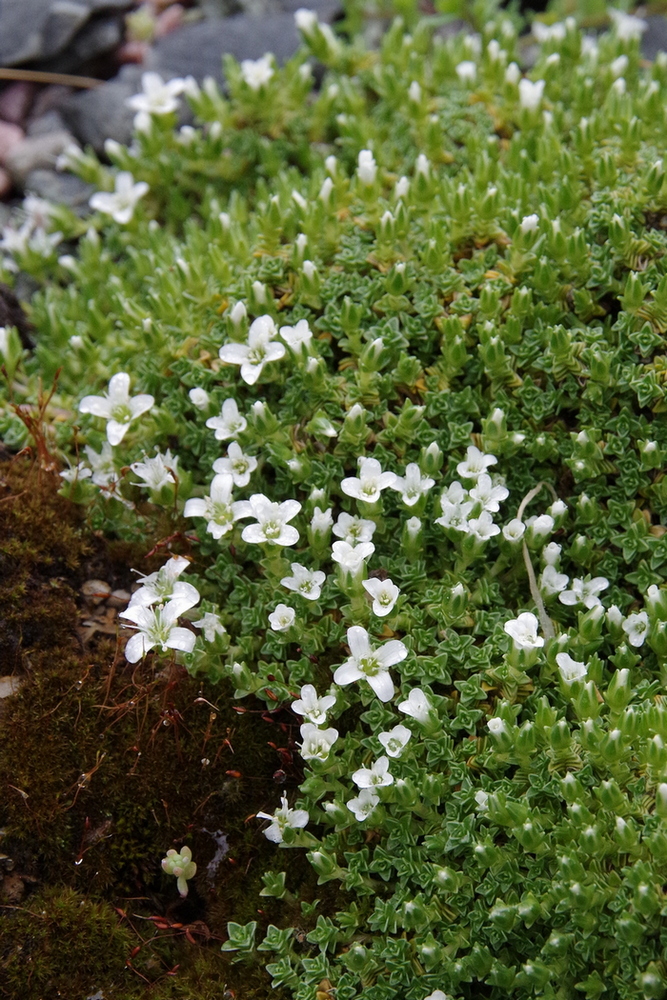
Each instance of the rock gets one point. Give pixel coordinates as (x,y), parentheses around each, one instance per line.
(118,598)
(654,39)
(132,52)
(66,189)
(52,121)
(16,101)
(95,591)
(9,685)
(49,99)
(10,137)
(97,37)
(101,114)
(35,153)
(39,29)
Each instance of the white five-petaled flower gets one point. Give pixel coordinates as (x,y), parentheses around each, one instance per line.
(636,628)
(311,707)
(570,670)
(103,465)
(199,397)
(229,424)
(514,530)
(482,527)
(417,706)
(317,742)
(552,582)
(156,472)
(257,72)
(352,529)
(237,464)
(282,618)
(475,463)
(370,663)
(482,800)
(351,558)
(523,631)
(272,525)
(164,585)
(584,592)
(295,336)
(370,482)
(118,408)
(455,512)
(218,508)
(363,805)
(384,594)
(156,98)
(76,472)
(283,818)
(496,726)
(487,494)
(375,776)
(321,521)
(259,350)
(412,485)
(210,625)
(530,93)
(306,582)
(366,167)
(395,741)
(120,204)
(156,626)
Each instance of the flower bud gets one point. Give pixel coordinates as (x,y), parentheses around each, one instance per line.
(431,459)
(619,692)
(325,865)
(590,624)
(263,420)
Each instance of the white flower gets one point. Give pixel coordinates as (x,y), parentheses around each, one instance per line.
(512,73)
(614,615)
(156,98)
(259,350)
(283,818)
(117,407)
(413,526)
(552,582)
(482,800)
(476,462)
(584,592)
(413,485)
(230,423)
(636,628)
(370,482)
(218,508)
(120,205)
(523,631)
(626,26)
(282,618)
(540,526)
(164,585)
(619,66)
(316,742)
(570,670)
(366,167)
(157,627)
(548,32)
(384,594)
(551,553)
(257,72)
(295,336)
(272,521)
(351,558)
(304,581)
(454,515)
(364,804)
(199,398)
(401,188)
(311,707)
(438,995)
(530,224)
(326,189)
(487,494)
(482,527)
(76,473)
(417,706)
(210,625)
(237,464)
(422,166)
(466,71)
(395,740)
(496,726)
(353,529)
(305,20)
(530,93)
(375,776)
(156,472)
(321,521)
(415,92)
(103,466)
(514,530)
(370,663)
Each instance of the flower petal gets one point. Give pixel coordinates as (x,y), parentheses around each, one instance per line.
(347,673)
(382,685)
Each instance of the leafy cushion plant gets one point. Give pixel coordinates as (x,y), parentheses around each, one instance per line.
(390,355)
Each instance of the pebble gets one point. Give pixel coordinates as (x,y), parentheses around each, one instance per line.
(95,591)
(9,684)
(16,101)
(10,137)
(35,152)
(118,598)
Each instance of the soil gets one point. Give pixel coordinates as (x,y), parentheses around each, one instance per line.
(105,765)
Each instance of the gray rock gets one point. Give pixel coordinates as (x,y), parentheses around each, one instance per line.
(52,121)
(100,114)
(66,189)
(654,39)
(98,36)
(36,152)
(31,30)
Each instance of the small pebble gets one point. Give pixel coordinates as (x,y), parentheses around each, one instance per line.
(118,598)
(95,591)
(16,101)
